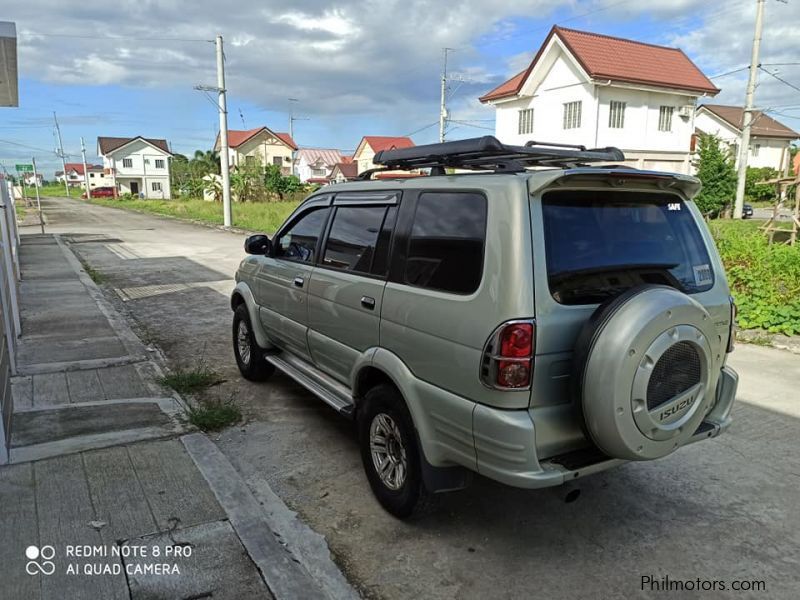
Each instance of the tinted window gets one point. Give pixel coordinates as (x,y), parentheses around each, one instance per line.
(353,237)
(299,242)
(445,250)
(601,243)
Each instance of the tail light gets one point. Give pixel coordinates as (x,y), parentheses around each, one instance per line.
(732,326)
(507,360)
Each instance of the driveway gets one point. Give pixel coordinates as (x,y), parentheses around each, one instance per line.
(712,513)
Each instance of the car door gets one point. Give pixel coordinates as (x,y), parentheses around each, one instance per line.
(282,282)
(346,288)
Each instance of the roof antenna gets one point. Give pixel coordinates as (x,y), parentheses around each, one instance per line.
(241,116)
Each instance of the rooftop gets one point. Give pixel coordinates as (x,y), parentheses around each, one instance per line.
(763,125)
(617,59)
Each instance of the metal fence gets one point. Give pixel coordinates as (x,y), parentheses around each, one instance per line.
(9,306)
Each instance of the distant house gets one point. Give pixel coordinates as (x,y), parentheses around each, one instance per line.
(314,165)
(769,139)
(97,176)
(597,90)
(372,144)
(137,165)
(344,171)
(29,179)
(260,146)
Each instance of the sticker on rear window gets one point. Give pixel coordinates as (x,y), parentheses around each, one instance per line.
(674,206)
(702,275)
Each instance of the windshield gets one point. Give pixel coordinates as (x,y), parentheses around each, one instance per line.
(601,243)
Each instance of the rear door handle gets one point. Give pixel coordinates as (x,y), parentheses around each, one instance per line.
(299,281)
(368,302)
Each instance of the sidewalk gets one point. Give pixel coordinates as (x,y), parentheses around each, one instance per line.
(106,471)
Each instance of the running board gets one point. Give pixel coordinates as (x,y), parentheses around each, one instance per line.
(315,381)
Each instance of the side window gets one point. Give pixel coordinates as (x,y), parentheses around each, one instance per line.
(353,237)
(299,242)
(445,249)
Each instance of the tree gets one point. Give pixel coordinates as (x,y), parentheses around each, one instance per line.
(754,192)
(279,184)
(205,162)
(715,169)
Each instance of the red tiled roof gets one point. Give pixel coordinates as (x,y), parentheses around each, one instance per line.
(763,125)
(380,142)
(618,59)
(237,137)
(348,169)
(109,144)
(78,168)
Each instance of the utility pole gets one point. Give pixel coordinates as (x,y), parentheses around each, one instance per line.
(36,185)
(224,165)
(62,155)
(747,117)
(292,119)
(85,172)
(443,98)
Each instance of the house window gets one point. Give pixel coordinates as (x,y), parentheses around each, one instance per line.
(91,174)
(156,185)
(147,161)
(616,114)
(316,172)
(249,160)
(127,163)
(277,160)
(665,118)
(572,115)
(755,149)
(525,121)
(159,163)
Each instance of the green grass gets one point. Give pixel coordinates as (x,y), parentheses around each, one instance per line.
(254,216)
(95,275)
(190,381)
(764,279)
(213,415)
(52,189)
(21,210)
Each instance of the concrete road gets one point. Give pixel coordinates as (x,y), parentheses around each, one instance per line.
(719,511)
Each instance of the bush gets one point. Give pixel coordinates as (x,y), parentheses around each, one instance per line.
(759,193)
(764,279)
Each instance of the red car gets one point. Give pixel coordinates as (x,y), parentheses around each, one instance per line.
(102,192)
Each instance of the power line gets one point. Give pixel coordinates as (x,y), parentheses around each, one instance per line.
(111,37)
(422,129)
(729,72)
(791,85)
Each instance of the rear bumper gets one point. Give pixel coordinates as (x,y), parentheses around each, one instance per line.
(505,443)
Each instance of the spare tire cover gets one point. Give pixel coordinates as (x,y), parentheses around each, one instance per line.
(644,372)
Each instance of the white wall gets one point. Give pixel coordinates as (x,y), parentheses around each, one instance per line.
(770,153)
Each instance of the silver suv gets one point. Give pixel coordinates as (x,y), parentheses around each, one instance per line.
(535,321)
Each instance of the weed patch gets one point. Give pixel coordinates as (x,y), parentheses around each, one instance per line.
(213,415)
(190,381)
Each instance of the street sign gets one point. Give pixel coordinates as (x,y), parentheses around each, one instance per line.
(24,168)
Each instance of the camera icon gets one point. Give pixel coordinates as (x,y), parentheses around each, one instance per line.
(40,560)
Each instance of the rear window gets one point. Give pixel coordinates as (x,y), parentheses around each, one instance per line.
(601,243)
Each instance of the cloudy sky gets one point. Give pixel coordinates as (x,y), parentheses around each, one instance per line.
(356,67)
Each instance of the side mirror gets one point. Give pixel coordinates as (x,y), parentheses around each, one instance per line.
(257,244)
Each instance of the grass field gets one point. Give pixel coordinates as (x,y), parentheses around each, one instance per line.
(255,216)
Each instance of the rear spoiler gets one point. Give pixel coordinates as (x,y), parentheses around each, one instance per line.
(616,176)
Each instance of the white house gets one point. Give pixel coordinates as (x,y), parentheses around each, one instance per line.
(597,90)
(137,165)
(314,165)
(370,145)
(30,180)
(74,176)
(769,139)
(260,146)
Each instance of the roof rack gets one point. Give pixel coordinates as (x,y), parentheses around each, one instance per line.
(487,153)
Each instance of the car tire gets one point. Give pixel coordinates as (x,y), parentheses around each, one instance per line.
(387,433)
(249,355)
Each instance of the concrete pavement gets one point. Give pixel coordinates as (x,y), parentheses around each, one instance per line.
(721,510)
(108,494)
